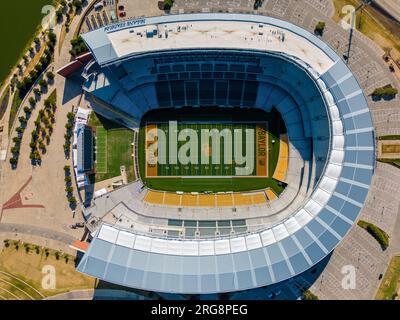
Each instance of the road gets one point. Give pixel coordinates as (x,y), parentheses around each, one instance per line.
(37,231)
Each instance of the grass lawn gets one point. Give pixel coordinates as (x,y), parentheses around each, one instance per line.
(14,108)
(19,266)
(113,148)
(4,101)
(390,137)
(53,97)
(393,162)
(215,185)
(391,282)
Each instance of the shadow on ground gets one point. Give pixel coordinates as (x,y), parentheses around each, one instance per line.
(72,88)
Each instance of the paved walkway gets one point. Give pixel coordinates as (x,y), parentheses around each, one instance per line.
(36,231)
(97,294)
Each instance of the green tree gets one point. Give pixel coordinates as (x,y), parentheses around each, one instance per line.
(17,140)
(50,75)
(77,4)
(78,46)
(72,200)
(52,37)
(43,83)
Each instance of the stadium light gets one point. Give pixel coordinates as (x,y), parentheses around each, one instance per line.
(352,27)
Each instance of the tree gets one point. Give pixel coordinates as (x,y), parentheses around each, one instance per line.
(68,179)
(19,130)
(37,91)
(67,168)
(35,135)
(168,4)
(77,4)
(52,37)
(70,116)
(67,136)
(42,146)
(33,75)
(27,109)
(37,155)
(308,295)
(69,189)
(59,14)
(50,75)
(78,46)
(47,103)
(72,200)
(387,91)
(13,161)
(38,67)
(22,119)
(17,140)
(32,101)
(43,83)
(14,150)
(319,28)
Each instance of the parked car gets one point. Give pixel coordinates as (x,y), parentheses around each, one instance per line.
(122,14)
(121,8)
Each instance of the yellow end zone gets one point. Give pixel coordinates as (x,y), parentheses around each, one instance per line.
(262,150)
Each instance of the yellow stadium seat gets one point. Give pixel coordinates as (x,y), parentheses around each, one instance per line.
(154,197)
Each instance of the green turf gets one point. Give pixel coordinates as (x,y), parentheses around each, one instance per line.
(4,102)
(213,115)
(101,150)
(210,169)
(214,185)
(113,149)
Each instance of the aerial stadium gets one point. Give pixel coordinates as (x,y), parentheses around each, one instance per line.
(254,152)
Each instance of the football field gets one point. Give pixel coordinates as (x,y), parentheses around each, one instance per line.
(206,149)
(101,150)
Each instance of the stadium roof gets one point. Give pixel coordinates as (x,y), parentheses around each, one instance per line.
(85,161)
(272,255)
(229,31)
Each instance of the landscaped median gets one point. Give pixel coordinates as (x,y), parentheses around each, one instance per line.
(381,236)
(390,286)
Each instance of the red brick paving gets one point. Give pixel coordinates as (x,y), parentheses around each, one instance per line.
(15,202)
